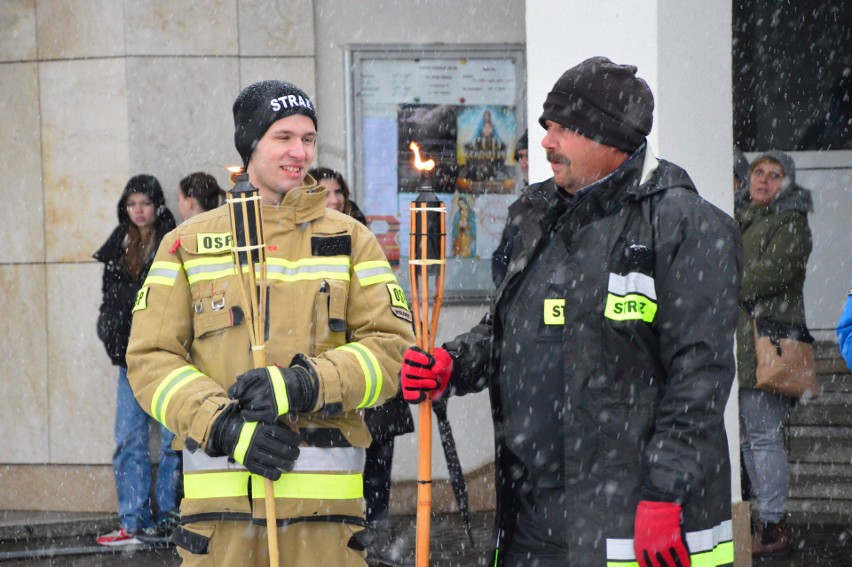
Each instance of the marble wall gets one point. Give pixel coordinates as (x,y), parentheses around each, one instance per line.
(93,92)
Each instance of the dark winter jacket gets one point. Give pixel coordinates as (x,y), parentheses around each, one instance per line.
(633,296)
(119,287)
(776,246)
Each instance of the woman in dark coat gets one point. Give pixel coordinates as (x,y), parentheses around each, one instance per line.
(772,215)
(127,255)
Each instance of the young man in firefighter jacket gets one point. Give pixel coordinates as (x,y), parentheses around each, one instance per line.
(608,350)
(338,325)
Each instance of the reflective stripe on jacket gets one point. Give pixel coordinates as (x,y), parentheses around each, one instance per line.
(332,473)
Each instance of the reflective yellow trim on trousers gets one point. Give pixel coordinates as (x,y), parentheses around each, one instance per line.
(226,484)
(306,486)
(312,486)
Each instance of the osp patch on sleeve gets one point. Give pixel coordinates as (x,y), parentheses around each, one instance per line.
(399,305)
(212,242)
(141,299)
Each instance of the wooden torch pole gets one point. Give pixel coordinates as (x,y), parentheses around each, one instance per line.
(249,253)
(427,256)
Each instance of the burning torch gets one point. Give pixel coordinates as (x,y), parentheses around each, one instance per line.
(249,255)
(427,257)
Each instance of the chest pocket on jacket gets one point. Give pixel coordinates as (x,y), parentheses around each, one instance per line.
(215,307)
(330,315)
(214,310)
(552,315)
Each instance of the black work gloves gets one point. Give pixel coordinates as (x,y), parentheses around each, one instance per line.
(265,449)
(265,394)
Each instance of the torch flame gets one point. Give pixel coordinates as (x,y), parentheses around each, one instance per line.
(418,163)
(234,171)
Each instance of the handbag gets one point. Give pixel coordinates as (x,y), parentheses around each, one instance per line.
(785,359)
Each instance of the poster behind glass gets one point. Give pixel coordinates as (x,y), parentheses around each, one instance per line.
(463,114)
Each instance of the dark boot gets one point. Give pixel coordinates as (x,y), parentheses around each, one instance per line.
(771,539)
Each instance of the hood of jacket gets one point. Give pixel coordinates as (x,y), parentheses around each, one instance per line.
(164,220)
(640,176)
(148,186)
(793,198)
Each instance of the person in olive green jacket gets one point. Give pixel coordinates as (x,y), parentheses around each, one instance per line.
(772,215)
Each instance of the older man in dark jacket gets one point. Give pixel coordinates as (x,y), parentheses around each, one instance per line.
(608,349)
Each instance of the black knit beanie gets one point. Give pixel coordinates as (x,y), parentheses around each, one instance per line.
(603,101)
(259,105)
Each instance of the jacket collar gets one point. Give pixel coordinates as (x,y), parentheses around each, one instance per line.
(301,204)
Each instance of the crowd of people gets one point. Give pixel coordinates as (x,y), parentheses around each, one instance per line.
(604,326)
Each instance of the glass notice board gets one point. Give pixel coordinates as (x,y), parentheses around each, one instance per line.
(465,107)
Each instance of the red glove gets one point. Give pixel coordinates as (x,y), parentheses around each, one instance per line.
(657,537)
(425,374)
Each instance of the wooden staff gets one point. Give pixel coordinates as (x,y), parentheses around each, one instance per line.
(427,255)
(249,254)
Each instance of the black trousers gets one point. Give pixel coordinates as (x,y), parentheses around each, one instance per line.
(377,479)
(539,528)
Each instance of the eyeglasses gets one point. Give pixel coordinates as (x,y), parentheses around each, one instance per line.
(773,175)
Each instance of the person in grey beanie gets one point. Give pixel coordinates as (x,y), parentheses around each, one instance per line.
(772,213)
(608,348)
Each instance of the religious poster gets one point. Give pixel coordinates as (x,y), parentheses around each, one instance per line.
(485,135)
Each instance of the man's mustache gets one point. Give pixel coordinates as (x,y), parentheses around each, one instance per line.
(553,157)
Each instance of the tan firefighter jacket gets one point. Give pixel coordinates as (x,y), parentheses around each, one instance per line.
(333,300)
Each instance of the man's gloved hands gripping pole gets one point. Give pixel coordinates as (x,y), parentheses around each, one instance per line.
(425,374)
(249,431)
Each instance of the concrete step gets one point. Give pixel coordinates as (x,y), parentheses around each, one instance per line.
(827,350)
(815,480)
(820,510)
(818,444)
(840,382)
(830,409)
(819,441)
(25,524)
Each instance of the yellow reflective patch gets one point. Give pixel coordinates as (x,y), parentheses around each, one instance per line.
(279,389)
(244,441)
(554,311)
(141,299)
(312,486)
(216,484)
(397,296)
(630,307)
(212,242)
